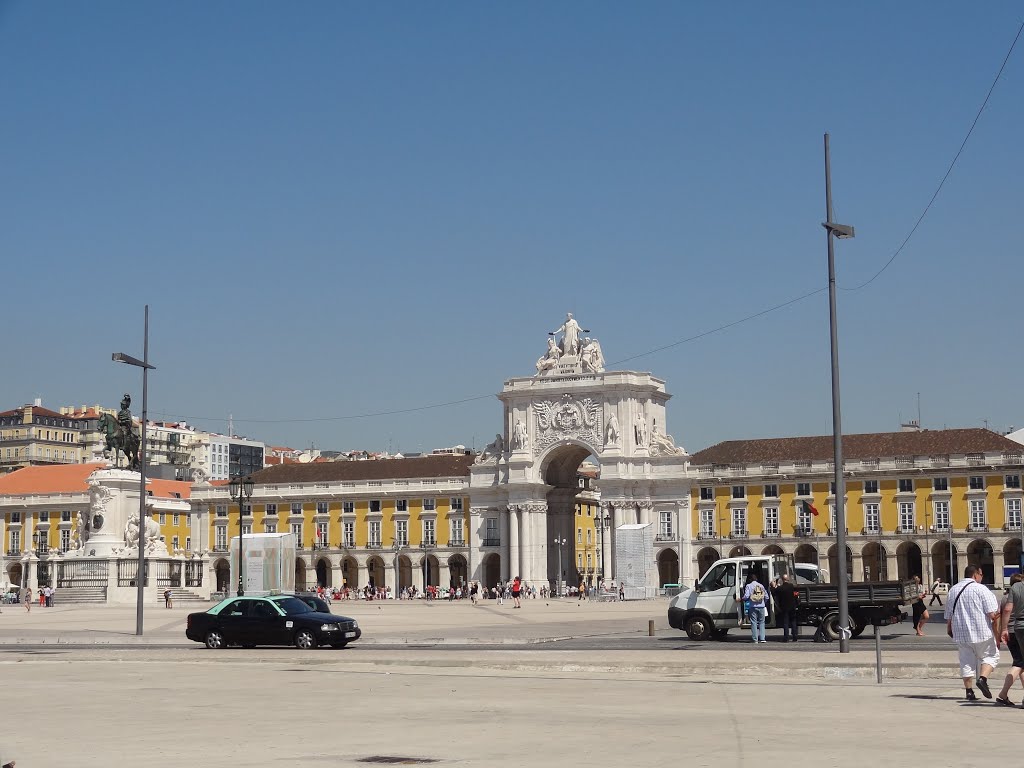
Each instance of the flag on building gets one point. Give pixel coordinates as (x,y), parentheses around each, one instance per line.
(808,507)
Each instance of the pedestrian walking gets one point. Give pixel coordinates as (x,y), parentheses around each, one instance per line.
(28,599)
(755,603)
(1011,632)
(787,598)
(517,587)
(168,599)
(935,592)
(972,620)
(622,592)
(920,609)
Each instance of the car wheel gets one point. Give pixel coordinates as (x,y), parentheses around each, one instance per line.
(305,640)
(699,628)
(215,640)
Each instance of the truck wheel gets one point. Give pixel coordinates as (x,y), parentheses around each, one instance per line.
(858,626)
(699,628)
(831,626)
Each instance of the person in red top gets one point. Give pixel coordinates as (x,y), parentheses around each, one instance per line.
(517,586)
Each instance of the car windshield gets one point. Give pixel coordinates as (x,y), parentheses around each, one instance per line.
(292,606)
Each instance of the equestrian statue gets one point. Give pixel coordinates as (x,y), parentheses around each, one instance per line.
(120,435)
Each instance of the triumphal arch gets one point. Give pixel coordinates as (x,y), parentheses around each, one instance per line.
(569,411)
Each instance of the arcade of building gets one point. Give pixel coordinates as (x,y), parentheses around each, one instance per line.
(581,452)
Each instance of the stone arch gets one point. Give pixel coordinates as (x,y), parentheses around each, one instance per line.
(350,572)
(323,572)
(375,571)
(739,550)
(491,569)
(431,571)
(458,570)
(773,549)
(979,553)
(1012,553)
(875,560)
(833,564)
(14,573)
(300,575)
(909,561)
(668,567)
(706,558)
(806,553)
(404,571)
(944,565)
(222,575)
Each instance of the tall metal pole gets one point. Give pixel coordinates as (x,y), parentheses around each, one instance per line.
(837,431)
(241,538)
(140,577)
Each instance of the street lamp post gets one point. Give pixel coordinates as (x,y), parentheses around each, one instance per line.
(396,546)
(559,542)
(241,491)
(140,576)
(832,231)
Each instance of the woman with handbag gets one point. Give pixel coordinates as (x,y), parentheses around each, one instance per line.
(920,609)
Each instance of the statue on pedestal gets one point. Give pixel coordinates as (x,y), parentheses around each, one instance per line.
(120,434)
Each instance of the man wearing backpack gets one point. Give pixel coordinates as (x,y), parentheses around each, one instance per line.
(755,600)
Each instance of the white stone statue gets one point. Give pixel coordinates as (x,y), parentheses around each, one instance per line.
(591,357)
(611,433)
(492,451)
(640,430)
(663,444)
(570,331)
(131,533)
(99,496)
(519,436)
(78,533)
(550,359)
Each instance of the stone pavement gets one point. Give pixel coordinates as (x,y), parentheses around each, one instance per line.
(431,632)
(218,709)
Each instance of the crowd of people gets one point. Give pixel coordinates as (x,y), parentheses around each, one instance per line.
(514,589)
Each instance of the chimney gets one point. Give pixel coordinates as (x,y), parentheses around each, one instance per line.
(911,426)
(38,402)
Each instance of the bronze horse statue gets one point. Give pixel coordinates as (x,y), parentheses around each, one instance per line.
(118,442)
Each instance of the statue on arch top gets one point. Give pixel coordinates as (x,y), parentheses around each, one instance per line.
(570,331)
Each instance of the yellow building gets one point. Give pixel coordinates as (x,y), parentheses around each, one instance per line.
(32,435)
(587,527)
(922,502)
(394,522)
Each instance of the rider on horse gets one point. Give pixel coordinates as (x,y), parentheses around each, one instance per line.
(124,420)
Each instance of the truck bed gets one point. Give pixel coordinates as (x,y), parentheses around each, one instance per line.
(859,593)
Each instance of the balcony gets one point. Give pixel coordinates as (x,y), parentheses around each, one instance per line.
(373,545)
(873,530)
(977,528)
(457,543)
(664,537)
(706,535)
(771,534)
(739,535)
(492,542)
(1012,527)
(428,544)
(219,548)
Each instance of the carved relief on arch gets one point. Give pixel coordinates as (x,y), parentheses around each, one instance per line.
(569,418)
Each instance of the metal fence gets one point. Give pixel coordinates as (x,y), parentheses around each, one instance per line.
(84,573)
(128,571)
(194,573)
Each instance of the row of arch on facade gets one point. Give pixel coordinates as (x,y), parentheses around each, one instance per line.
(375,573)
(945,561)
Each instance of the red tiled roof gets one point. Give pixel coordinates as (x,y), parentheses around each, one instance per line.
(37,410)
(928,442)
(71,478)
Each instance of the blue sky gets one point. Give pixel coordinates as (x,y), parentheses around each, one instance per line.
(336,209)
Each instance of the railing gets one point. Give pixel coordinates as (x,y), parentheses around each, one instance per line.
(706,535)
(88,573)
(220,548)
(771,534)
(664,537)
(738,535)
(194,573)
(428,544)
(870,531)
(492,542)
(128,571)
(457,543)
(168,573)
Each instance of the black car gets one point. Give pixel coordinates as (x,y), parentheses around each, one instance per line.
(316,603)
(275,620)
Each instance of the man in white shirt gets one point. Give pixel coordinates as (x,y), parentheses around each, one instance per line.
(972,616)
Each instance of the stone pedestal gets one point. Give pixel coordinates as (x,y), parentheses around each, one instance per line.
(113,497)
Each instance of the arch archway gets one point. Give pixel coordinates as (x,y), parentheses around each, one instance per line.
(404,572)
(707,557)
(739,551)
(222,575)
(14,573)
(979,553)
(350,572)
(944,565)
(458,570)
(1012,554)
(571,469)
(908,561)
(375,572)
(834,569)
(300,575)
(874,558)
(773,549)
(668,567)
(806,553)
(491,569)
(431,571)
(323,572)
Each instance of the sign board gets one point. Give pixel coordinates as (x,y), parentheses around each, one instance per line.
(269,563)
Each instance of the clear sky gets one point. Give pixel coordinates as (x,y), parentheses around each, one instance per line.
(336,209)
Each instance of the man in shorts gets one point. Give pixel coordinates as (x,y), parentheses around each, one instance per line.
(1011,624)
(972,620)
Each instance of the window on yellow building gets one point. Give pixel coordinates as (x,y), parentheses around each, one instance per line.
(739,492)
(707,523)
(579,535)
(976,483)
(907,524)
(188,543)
(321,535)
(456,503)
(174,543)
(455,531)
(401,505)
(175,519)
(803,489)
(906,485)
(348,507)
(588,535)
(348,533)
(771,521)
(374,533)
(271,509)
(65,540)
(297,508)
(402,533)
(871,518)
(941,512)
(375,505)
(246,530)
(1013,481)
(771,491)
(707,493)
(429,505)
(429,532)
(979,519)
(1013,514)
(940,483)
(220,538)
(739,521)
(322,507)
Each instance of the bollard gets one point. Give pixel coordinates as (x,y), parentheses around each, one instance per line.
(650,628)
